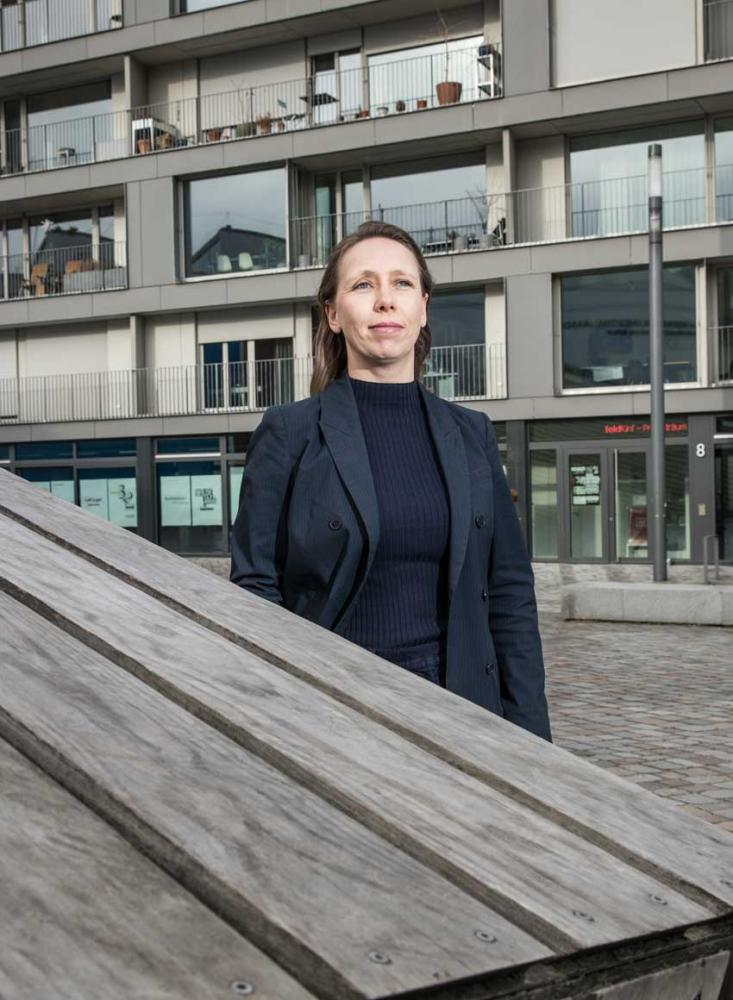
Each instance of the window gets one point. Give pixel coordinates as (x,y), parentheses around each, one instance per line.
(114,448)
(67,125)
(59,481)
(337,82)
(609,179)
(43,450)
(110,493)
(456,366)
(190,510)
(435,201)
(187,446)
(724,169)
(605,328)
(718,15)
(236,223)
(409,76)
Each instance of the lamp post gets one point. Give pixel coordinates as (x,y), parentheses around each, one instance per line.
(656,358)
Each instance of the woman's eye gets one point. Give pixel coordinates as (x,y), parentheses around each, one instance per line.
(405,281)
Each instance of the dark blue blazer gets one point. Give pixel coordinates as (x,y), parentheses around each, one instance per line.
(308,526)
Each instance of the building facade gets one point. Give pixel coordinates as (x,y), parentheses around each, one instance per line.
(174,173)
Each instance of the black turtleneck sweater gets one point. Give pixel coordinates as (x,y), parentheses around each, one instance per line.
(401,609)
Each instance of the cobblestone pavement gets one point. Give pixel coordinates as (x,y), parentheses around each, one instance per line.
(653,703)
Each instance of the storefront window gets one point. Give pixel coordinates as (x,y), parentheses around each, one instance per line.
(4,453)
(609,179)
(110,494)
(114,448)
(605,328)
(543,504)
(632,540)
(58,481)
(236,474)
(586,520)
(181,446)
(677,489)
(236,223)
(724,499)
(190,506)
(40,450)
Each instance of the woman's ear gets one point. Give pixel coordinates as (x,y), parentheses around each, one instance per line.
(329,310)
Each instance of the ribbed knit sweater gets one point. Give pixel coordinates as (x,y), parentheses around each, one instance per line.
(401,609)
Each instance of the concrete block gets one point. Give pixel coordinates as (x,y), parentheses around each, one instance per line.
(664,603)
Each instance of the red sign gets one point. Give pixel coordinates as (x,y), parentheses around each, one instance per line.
(630,428)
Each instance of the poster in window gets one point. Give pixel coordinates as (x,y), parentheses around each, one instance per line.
(235,485)
(122,501)
(206,500)
(637,527)
(585,484)
(175,501)
(93,497)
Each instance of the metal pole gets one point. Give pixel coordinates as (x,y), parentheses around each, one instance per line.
(656,359)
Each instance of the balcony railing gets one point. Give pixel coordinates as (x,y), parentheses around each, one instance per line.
(586,210)
(89,267)
(395,88)
(722,339)
(718,29)
(36,22)
(474,371)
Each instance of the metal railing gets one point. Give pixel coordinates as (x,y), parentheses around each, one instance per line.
(718,29)
(370,91)
(36,22)
(87,267)
(473,371)
(722,343)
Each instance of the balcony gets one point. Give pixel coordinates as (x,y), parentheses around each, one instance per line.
(567,212)
(399,87)
(474,371)
(66,270)
(37,22)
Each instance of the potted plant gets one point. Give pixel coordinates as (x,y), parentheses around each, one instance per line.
(400,105)
(213,134)
(422,103)
(245,129)
(144,145)
(362,113)
(264,124)
(448,91)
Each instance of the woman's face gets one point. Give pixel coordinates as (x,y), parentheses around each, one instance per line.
(379,308)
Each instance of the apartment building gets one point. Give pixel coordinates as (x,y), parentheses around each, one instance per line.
(174,174)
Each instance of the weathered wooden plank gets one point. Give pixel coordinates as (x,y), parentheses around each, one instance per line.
(610,811)
(545,878)
(699,980)
(321,894)
(85,916)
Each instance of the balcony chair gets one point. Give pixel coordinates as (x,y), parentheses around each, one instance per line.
(223,263)
(244,262)
(37,283)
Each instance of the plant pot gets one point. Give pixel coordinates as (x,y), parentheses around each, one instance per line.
(164,141)
(245,129)
(449,92)
(281,126)
(363,113)
(422,103)
(460,241)
(144,145)
(264,125)
(400,105)
(213,134)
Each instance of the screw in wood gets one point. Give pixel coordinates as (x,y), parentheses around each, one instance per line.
(242,989)
(658,899)
(485,936)
(380,958)
(584,916)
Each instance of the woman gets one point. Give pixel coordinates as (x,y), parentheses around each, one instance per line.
(380,511)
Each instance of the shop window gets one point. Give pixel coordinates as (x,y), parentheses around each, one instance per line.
(181,446)
(58,481)
(111,494)
(190,512)
(43,450)
(543,504)
(114,448)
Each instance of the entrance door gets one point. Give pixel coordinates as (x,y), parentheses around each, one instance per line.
(724,500)
(587,506)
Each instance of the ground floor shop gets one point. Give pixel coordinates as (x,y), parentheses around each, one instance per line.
(581,486)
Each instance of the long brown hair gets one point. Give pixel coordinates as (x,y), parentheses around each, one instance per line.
(329,348)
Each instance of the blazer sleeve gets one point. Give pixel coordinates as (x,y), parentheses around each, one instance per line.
(513,610)
(257,539)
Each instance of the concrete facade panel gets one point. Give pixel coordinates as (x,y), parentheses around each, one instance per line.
(526,31)
(530,336)
(157,229)
(615,95)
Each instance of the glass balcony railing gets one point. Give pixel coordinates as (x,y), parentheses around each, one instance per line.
(36,22)
(473,371)
(88,267)
(396,88)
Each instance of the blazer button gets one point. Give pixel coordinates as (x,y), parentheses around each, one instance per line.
(334,524)
(484,595)
(480,520)
(489,668)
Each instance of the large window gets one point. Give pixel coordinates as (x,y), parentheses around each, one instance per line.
(236,223)
(399,80)
(724,169)
(435,201)
(605,328)
(71,125)
(718,16)
(456,367)
(609,179)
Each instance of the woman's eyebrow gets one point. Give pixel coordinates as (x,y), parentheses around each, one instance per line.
(374,274)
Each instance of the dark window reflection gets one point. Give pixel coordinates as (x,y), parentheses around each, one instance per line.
(605,328)
(456,365)
(236,223)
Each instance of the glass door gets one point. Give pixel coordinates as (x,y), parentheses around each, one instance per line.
(588,527)
(724,500)
(630,497)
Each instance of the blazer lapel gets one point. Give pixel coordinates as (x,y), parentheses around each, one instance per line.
(341,429)
(452,456)
(344,438)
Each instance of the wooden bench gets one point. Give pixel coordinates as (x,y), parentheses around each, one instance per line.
(207,796)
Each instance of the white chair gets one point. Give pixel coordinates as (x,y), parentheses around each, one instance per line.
(245,262)
(223,263)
